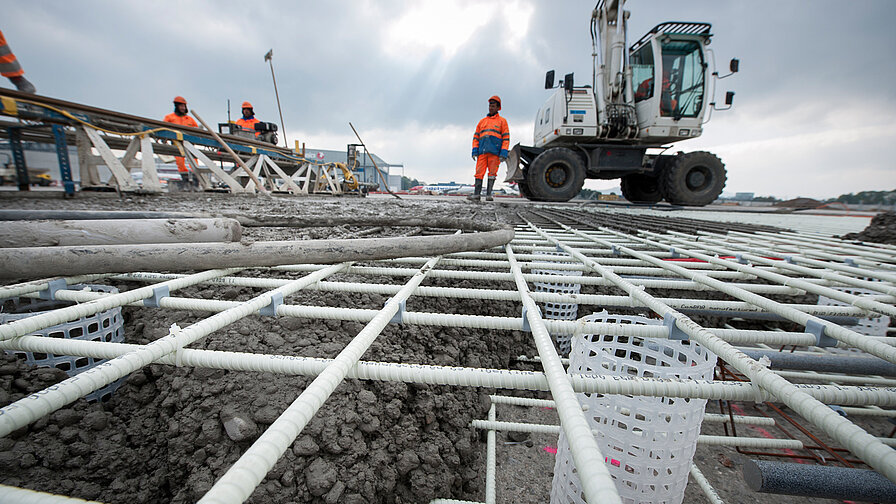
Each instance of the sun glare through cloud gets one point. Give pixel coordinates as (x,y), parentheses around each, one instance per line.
(447,26)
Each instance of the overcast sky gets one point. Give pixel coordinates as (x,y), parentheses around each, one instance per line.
(814,114)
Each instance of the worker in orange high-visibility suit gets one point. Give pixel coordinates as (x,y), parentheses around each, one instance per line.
(179,116)
(11,69)
(247,122)
(491,142)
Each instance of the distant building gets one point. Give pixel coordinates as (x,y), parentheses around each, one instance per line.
(744,196)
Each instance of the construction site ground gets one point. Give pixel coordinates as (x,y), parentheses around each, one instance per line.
(160,438)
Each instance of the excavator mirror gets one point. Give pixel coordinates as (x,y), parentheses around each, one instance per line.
(734,65)
(549,80)
(568,82)
(729,97)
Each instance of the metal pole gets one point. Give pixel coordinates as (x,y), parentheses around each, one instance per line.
(269,57)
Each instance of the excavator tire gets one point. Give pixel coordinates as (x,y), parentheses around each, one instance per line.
(524,190)
(556,174)
(694,179)
(640,188)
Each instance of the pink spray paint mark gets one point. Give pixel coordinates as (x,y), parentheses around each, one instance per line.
(550,449)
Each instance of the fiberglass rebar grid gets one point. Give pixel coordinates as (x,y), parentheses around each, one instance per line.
(635,271)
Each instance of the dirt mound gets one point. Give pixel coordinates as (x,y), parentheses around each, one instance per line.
(799,203)
(882,229)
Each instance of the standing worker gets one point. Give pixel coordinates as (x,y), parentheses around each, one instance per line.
(490,146)
(248,121)
(179,116)
(11,69)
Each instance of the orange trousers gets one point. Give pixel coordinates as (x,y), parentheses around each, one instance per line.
(488,162)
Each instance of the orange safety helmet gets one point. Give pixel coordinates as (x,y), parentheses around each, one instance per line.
(248,105)
(180,99)
(497,99)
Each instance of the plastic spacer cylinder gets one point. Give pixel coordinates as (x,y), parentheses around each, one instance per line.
(526,326)
(674,332)
(821,339)
(838,409)
(271,309)
(157,294)
(398,318)
(52,287)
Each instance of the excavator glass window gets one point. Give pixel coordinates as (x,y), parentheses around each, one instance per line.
(642,72)
(683,78)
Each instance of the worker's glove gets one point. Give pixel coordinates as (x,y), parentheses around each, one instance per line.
(475,157)
(504,159)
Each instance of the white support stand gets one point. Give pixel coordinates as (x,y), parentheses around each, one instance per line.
(222,175)
(120,174)
(87,162)
(288,183)
(148,166)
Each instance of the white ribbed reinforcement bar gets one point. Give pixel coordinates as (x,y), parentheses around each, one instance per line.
(743,442)
(711,495)
(735,336)
(24,326)
(544,297)
(460,376)
(25,496)
(597,484)
(246,473)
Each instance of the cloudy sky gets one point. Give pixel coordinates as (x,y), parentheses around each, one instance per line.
(814,115)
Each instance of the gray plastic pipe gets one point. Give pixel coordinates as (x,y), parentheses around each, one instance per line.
(825,363)
(15,215)
(825,482)
(30,262)
(117,232)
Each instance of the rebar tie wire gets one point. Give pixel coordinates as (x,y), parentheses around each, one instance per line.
(876,454)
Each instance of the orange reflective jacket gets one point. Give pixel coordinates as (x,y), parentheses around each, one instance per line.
(248,124)
(492,136)
(183,120)
(9,65)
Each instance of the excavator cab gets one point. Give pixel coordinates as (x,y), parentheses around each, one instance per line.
(670,77)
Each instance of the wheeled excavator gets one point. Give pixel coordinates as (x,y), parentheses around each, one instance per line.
(642,98)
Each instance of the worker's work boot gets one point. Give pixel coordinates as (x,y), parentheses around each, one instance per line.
(488,189)
(477,190)
(23,85)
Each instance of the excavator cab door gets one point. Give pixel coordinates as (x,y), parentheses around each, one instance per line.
(669,77)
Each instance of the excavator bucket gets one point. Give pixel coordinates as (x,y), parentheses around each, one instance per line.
(514,173)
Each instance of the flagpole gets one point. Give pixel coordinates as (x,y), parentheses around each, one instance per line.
(269,57)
